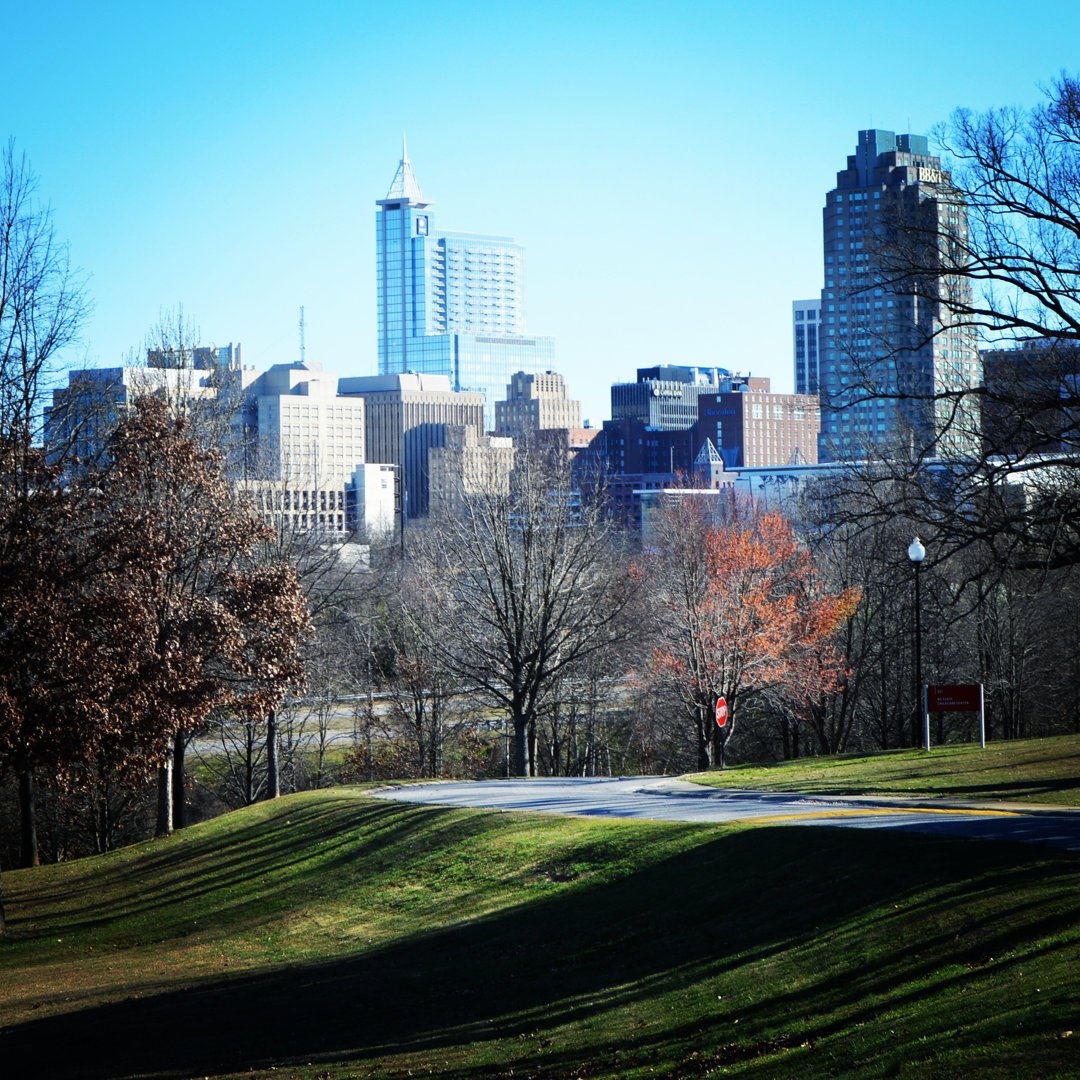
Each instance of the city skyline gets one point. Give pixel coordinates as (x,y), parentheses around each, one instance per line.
(663,166)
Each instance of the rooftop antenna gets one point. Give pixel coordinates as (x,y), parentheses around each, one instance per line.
(303,350)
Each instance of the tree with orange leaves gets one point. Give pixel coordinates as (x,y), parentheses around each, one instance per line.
(742,614)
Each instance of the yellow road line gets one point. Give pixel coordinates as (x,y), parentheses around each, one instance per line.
(872,811)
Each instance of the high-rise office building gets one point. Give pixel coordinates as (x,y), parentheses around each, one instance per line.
(450,303)
(536,402)
(888,358)
(804,340)
(665,397)
(756,428)
(405,416)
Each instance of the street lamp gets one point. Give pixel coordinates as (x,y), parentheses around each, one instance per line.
(916,553)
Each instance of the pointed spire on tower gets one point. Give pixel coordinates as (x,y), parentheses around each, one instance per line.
(708,454)
(405,184)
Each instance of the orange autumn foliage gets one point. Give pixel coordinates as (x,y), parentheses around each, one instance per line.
(746,615)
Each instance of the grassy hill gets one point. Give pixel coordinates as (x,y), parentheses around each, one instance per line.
(329,935)
(1026,770)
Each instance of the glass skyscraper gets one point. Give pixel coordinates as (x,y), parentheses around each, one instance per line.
(892,365)
(450,303)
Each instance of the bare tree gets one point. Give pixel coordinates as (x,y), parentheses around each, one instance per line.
(523,586)
(43,305)
(420,692)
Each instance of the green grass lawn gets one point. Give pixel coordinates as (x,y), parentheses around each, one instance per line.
(1027,770)
(329,935)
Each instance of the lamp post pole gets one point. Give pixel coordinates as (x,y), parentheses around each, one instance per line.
(916,553)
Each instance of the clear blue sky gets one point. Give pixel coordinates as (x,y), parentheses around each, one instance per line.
(664,163)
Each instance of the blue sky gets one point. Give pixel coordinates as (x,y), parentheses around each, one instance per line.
(664,164)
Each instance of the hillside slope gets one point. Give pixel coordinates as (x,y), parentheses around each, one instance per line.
(328,935)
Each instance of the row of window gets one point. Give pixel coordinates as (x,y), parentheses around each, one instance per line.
(302,500)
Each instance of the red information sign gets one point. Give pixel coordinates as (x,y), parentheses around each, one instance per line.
(721,712)
(953,698)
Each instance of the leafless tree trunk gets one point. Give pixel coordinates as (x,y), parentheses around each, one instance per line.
(179,781)
(273,773)
(165,795)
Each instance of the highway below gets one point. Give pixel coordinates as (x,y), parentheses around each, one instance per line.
(670,799)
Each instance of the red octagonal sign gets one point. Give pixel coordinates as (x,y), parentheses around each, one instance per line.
(721,712)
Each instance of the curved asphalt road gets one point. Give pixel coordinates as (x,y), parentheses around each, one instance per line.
(663,798)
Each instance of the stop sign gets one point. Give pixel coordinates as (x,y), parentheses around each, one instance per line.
(721,712)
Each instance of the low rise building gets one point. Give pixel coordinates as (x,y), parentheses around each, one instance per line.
(468,464)
(406,415)
(534,403)
(754,428)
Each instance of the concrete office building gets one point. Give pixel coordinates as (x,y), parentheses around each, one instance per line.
(450,303)
(535,402)
(290,441)
(372,500)
(405,416)
(304,443)
(468,464)
(665,397)
(887,357)
(304,428)
(84,413)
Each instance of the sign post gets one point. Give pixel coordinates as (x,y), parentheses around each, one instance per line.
(923,703)
(964,698)
(982,718)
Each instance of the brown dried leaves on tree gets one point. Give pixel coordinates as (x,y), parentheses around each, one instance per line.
(141,604)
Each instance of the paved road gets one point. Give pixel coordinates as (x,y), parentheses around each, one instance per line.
(667,799)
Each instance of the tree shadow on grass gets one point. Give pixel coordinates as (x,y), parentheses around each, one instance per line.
(568,958)
(256,876)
